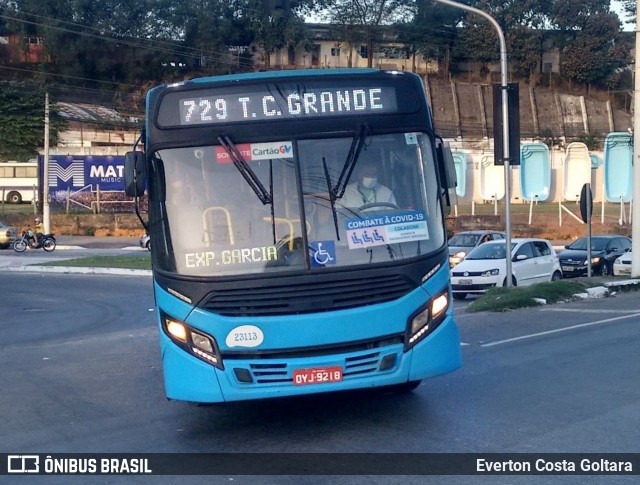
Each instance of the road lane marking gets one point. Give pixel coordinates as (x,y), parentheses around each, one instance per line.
(581,310)
(558,330)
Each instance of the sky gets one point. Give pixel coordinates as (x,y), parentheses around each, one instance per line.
(616,5)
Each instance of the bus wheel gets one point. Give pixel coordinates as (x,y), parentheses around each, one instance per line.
(14,197)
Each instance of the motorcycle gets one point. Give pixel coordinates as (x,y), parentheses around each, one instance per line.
(44,241)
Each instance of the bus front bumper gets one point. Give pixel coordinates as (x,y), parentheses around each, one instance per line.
(189,379)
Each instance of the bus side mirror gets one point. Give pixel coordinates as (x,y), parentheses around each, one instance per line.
(135,174)
(447,169)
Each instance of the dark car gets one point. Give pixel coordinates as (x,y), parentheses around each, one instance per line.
(462,243)
(604,251)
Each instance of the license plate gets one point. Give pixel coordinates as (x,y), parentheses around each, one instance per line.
(567,268)
(320,375)
(465,282)
(625,271)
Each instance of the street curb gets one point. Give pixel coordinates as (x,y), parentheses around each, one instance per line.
(79,270)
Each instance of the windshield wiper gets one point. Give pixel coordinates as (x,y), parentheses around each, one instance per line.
(352,158)
(265,196)
(337,191)
(332,197)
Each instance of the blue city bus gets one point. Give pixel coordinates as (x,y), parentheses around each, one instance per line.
(297,221)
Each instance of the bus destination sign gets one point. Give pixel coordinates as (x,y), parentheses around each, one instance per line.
(214,106)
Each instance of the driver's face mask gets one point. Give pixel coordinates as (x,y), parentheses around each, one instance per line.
(369,182)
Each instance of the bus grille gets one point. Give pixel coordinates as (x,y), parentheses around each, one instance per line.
(306,297)
(279,373)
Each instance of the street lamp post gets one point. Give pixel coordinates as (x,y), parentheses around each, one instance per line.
(505,124)
(635,215)
(46,216)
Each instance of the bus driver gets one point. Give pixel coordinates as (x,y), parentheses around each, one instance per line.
(367,190)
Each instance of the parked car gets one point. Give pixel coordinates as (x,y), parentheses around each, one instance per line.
(8,234)
(145,242)
(605,250)
(533,261)
(462,243)
(622,265)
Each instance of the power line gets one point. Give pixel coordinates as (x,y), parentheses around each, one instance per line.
(138,42)
(99,31)
(76,78)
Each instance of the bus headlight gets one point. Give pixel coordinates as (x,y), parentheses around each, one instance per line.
(195,342)
(427,319)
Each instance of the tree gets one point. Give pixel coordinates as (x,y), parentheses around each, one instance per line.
(207,28)
(22,121)
(521,22)
(433,31)
(274,30)
(366,16)
(629,8)
(593,51)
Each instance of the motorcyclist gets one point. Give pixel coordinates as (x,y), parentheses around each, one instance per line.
(38,232)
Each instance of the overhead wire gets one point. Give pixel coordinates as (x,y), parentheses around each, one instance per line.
(142,43)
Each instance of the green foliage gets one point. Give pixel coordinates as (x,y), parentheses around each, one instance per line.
(592,141)
(135,261)
(433,31)
(117,45)
(366,16)
(546,136)
(505,299)
(275,32)
(22,121)
(592,47)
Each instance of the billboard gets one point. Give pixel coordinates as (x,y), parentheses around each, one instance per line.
(88,172)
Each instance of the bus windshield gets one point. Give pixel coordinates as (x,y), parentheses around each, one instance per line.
(299,205)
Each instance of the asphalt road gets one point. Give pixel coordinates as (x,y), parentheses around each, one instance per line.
(81,373)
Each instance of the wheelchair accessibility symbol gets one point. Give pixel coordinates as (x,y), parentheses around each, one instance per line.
(323,253)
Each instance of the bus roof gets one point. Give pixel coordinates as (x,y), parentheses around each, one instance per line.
(254,76)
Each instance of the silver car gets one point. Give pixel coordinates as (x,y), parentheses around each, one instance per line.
(145,242)
(8,234)
(463,242)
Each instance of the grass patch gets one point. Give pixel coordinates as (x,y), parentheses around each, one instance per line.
(505,299)
(133,261)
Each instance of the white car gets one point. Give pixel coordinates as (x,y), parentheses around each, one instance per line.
(533,261)
(463,242)
(622,265)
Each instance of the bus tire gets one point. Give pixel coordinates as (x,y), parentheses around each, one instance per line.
(14,198)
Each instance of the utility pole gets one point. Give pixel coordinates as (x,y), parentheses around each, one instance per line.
(45,171)
(635,216)
(504,86)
